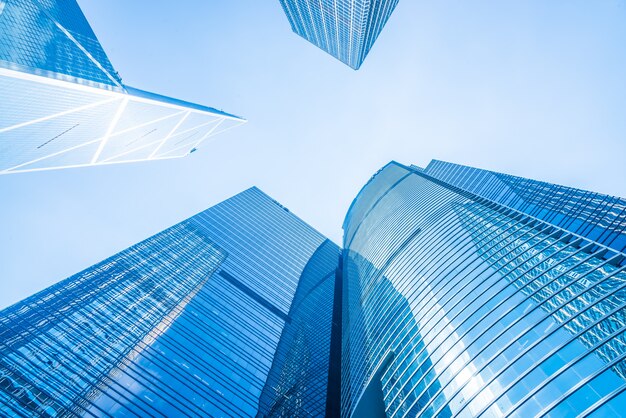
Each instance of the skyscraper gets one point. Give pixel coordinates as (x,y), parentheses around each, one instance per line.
(64,105)
(459,292)
(298,382)
(185,323)
(346,29)
(471,293)
(593,215)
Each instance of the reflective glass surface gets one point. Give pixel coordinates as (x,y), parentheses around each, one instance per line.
(63,349)
(53,38)
(298,380)
(442,303)
(346,29)
(595,216)
(63,105)
(185,323)
(50,124)
(484,310)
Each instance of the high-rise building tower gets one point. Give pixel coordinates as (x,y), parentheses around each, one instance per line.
(459,292)
(298,382)
(593,215)
(64,105)
(471,293)
(346,29)
(185,323)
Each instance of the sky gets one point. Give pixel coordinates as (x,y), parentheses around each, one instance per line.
(534,88)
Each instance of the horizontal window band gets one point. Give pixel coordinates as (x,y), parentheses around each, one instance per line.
(254,296)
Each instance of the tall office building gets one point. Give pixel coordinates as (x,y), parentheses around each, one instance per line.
(593,215)
(64,105)
(298,382)
(459,292)
(346,29)
(471,293)
(189,322)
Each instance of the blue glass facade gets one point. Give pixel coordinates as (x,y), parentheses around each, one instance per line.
(456,304)
(64,105)
(448,299)
(54,39)
(185,323)
(346,29)
(593,215)
(297,384)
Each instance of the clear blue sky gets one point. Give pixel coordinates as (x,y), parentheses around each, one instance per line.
(532,88)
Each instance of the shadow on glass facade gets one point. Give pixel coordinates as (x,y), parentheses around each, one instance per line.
(377,320)
(298,380)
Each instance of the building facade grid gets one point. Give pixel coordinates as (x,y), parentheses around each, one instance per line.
(346,29)
(505,310)
(454,295)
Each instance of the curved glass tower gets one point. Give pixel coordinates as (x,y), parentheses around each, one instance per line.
(459,292)
(455,303)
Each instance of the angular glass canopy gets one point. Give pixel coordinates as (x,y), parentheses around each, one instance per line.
(64,105)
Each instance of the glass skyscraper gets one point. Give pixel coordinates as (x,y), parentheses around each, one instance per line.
(64,105)
(595,216)
(189,322)
(459,292)
(346,29)
(471,293)
(297,385)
